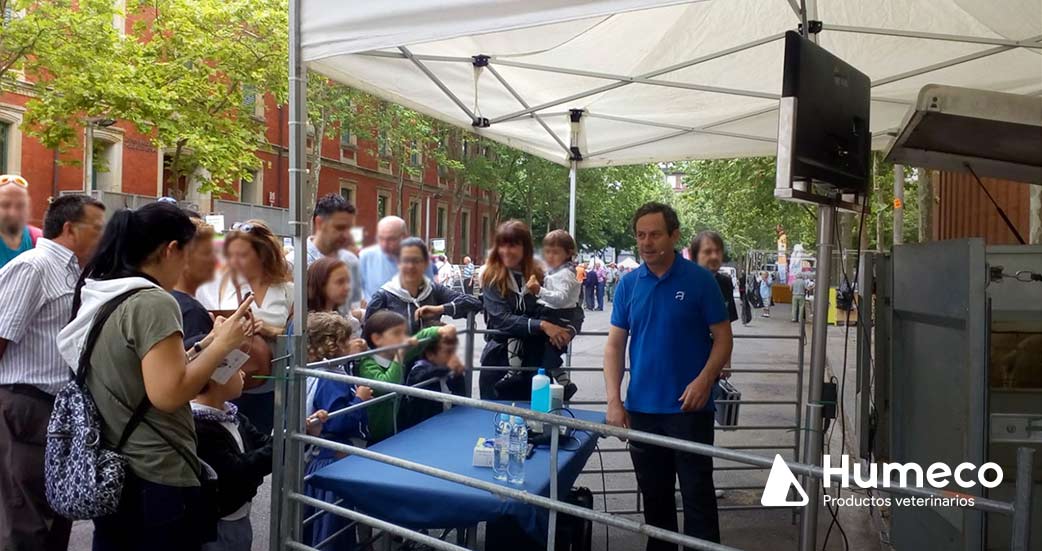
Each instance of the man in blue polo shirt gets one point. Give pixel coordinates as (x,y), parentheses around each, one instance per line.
(670,311)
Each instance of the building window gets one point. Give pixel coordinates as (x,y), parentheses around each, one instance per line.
(440,226)
(347,191)
(381,205)
(348,145)
(106,168)
(415,157)
(414,217)
(5,132)
(464,231)
(250,189)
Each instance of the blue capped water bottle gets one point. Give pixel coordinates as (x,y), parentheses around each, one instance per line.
(541,392)
(501,446)
(518,450)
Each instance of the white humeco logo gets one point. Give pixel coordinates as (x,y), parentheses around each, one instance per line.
(781,480)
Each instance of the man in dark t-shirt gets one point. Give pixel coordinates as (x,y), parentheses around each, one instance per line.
(200,265)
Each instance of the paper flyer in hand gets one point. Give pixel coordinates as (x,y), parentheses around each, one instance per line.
(229,365)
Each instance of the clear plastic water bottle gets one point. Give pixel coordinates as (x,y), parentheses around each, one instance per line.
(501,446)
(518,450)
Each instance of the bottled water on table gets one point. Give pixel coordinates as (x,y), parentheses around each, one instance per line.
(518,450)
(501,446)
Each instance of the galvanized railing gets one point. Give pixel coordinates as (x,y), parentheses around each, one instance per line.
(288,496)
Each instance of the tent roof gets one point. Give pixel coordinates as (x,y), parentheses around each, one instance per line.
(658,80)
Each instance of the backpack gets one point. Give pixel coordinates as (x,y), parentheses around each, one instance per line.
(84,480)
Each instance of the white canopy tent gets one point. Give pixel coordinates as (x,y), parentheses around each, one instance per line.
(602,82)
(658,80)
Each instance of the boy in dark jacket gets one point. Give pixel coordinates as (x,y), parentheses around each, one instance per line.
(433,364)
(239,453)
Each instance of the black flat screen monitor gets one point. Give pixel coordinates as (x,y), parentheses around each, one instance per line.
(830,141)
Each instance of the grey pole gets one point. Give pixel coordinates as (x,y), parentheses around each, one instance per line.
(575,115)
(1020,539)
(819,338)
(290,525)
(88,162)
(899,204)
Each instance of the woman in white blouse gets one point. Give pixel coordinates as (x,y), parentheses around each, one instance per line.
(255,263)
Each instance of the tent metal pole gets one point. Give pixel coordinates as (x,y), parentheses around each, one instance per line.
(652,74)
(575,117)
(932,36)
(437,82)
(637,79)
(524,103)
(289,525)
(951,62)
(420,57)
(693,129)
(819,342)
(899,200)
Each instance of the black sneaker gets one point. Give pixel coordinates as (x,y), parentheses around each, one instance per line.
(569,390)
(509,381)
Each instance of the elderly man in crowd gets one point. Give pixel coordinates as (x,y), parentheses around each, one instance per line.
(379,263)
(18,235)
(36,291)
(331,236)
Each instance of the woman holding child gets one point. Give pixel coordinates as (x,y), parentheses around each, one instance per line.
(513,311)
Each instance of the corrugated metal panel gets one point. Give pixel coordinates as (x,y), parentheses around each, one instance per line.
(961,209)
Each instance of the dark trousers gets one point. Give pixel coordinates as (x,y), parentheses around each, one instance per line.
(589,291)
(658,469)
(600,296)
(27,522)
(259,409)
(152,517)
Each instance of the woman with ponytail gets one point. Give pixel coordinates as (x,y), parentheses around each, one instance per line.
(138,364)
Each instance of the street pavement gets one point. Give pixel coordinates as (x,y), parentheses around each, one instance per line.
(751,529)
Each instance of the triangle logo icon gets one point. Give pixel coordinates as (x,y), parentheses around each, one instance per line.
(779,483)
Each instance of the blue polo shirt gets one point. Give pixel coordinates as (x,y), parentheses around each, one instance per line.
(668,321)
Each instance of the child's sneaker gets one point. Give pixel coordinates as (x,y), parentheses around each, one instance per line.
(509,381)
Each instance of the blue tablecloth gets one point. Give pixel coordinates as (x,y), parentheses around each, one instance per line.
(446,441)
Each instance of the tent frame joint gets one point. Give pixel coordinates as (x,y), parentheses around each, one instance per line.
(481,122)
(480,60)
(576,155)
(814,26)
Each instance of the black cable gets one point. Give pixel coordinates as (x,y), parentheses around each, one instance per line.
(840,408)
(1002,213)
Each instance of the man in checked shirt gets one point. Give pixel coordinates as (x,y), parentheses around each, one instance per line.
(36,290)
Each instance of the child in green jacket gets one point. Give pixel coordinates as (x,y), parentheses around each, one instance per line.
(388,328)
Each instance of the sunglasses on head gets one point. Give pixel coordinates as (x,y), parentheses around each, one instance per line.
(13,179)
(243,227)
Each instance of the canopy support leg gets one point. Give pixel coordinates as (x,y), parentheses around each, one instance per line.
(575,115)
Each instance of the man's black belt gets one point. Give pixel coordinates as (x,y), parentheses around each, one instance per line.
(30,391)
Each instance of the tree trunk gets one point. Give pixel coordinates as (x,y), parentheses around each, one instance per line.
(401,183)
(175,172)
(315,168)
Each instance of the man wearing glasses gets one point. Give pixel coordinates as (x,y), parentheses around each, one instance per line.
(18,235)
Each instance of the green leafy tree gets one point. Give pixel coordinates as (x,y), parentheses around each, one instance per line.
(335,111)
(188,74)
(736,198)
(33,29)
(405,140)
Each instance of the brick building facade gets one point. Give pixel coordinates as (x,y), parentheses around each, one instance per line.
(349,167)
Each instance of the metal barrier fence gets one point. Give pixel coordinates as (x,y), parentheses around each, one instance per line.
(288,484)
(795,428)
